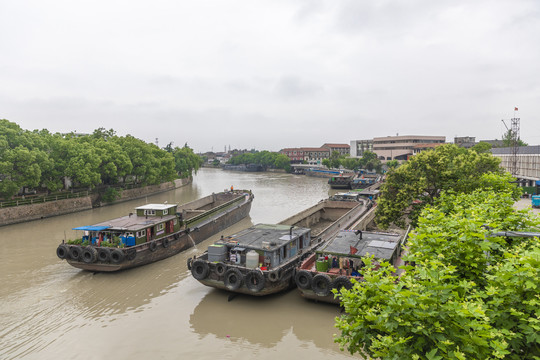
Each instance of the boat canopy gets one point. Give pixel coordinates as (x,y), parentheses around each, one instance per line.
(92,228)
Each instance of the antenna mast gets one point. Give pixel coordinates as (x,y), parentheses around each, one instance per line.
(514,137)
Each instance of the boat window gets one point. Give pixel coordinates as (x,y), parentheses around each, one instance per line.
(159,227)
(175,221)
(166,212)
(149,212)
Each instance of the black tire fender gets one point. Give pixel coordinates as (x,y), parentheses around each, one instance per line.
(89,255)
(254,281)
(189,261)
(75,252)
(62,251)
(321,284)
(341,281)
(131,254)
(152,246)
(200,269)
(303,279)
(233,279)
(274,275)
(221,268)
(165,242)
(103,255)
(117,256)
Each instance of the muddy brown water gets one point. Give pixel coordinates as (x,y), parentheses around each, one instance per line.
(50,310)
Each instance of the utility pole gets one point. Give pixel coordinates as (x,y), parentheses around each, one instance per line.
(514,137)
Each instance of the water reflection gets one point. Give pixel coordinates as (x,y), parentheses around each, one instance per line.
(264,321)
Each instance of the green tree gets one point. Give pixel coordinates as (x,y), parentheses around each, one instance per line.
(482,147)
(471,294)
(509,137)
(422,179)
(392,164)
(282,161)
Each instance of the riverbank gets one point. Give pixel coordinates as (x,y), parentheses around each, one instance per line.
(36,211)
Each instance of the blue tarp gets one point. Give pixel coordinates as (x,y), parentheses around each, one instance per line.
(91,228)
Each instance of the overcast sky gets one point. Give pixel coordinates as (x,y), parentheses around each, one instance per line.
(270,74)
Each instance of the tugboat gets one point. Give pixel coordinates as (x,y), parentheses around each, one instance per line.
(261,260)
(333,265)
(154,232)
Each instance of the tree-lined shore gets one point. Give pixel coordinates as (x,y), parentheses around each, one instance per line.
(43,162)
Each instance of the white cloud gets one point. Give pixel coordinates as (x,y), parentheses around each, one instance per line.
(271,74)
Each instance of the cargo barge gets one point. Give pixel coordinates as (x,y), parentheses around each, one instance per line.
(261,260)
(154,232)
(333,265)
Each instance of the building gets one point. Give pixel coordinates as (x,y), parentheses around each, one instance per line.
(342,149)
(359,147)
(315,156)
(401,147)
(465,141)
(295,154)
(527,163)
(417,149)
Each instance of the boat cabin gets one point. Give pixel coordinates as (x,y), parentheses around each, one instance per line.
(149,222)
(343,254)
(263,245)
(347,196)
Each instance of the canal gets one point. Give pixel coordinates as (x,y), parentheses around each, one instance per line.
(50,310)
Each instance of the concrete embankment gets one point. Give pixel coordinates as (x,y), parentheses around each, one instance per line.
(24,213)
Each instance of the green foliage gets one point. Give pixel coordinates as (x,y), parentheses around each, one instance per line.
(41,160)
(392,164)
(509,137)
(470,295)
(421,180)
(111,195)
(482,147)
(186,161)
(264,158)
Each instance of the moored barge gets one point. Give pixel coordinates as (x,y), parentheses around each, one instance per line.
(261,260)
(154,232)
(333,265)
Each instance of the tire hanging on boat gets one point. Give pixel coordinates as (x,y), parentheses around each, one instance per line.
(341,281)
(233,279)
(103,255)
(321,284)
(89,255)
(199,269)
(254,281)
(117,256)
(221,268)
(62,251)
(165,242)
(74,253)
(274,275)
(303,279)
(189,261)
(152,246)
(131,254)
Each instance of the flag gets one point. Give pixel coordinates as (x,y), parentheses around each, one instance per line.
(515,109)
(353,250)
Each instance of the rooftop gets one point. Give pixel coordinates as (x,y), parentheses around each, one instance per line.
(381,245)
(155,207)
(264,236)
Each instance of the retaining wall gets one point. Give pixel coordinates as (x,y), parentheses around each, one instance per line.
(24,213)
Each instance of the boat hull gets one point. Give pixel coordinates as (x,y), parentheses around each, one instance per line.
(258,282)
(165,247)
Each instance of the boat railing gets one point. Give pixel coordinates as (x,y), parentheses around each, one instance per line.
(207,214)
